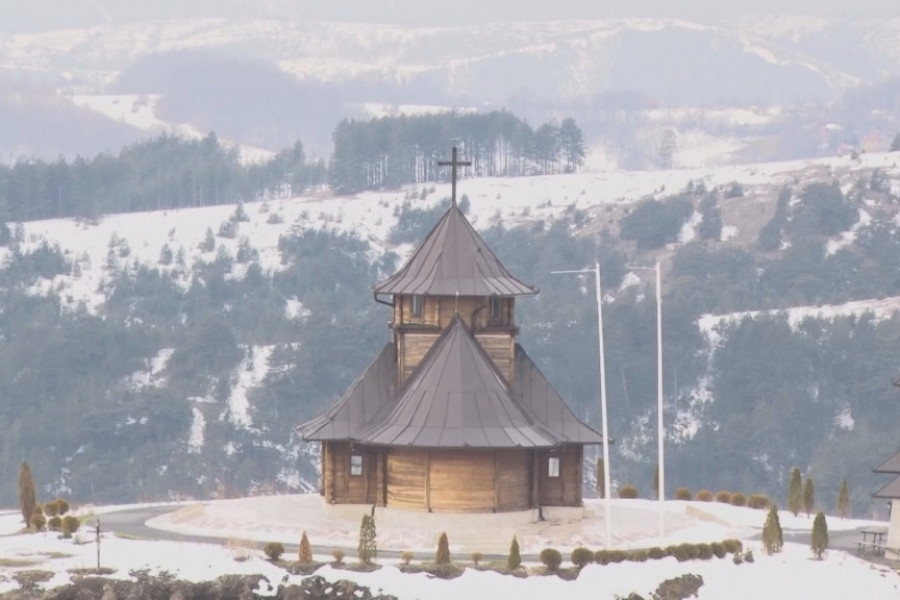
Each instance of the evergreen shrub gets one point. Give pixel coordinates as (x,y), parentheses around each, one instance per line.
(705,496)
(723,496)
(733,545)
(628,492)
(442,557)
(338,555)
(738,499)
(758,501)
(683,493)
(273,550)
(582,556)
(551,558)
(656,553)
(38,521)
(638,556)
(304,551)
(54,523)
(407,557)
(70,525)
(51,508)
(514,559)
(704,551)
(476,558)
(718,549)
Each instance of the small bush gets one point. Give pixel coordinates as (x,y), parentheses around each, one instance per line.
(407,557)
(38,521)
(70,525)
(514,559)
(54,523)
(723,497)
(38,510)
(758,501)
(338,555)
(638,556)
(732,545)
(737,559)
(656,553)
(601,557)
(51,508)
(304,551)
(738,499)
(704,551)
(582,556)
(671,550)
(273,550)
(618,556)
(705,496)
(62,506)
(628,492)
(718,549)
(476,558)
(551,558)
(748,556)
(442,557)
(683,493)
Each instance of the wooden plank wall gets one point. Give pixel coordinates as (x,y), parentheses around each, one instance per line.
(513,480)
(344,487)
(501,348)
(413,347)
(458,480)
(564,490)
(406,475)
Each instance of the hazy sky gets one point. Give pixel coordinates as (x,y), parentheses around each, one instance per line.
(18,15)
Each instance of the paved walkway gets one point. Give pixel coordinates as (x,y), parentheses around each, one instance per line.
(285,518)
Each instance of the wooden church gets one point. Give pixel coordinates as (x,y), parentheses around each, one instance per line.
(452,415)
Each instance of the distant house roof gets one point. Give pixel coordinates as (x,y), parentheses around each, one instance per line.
(454,260)
(457,398)
(891,465)
(363,400)
(891,490)
(533,390)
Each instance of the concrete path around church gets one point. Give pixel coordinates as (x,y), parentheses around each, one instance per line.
(285,518)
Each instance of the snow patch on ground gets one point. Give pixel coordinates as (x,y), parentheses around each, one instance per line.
(250,374)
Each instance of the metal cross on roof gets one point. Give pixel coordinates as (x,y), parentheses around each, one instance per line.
(453,164)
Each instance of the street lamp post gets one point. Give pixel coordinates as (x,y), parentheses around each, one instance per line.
(603,424)
(659,394)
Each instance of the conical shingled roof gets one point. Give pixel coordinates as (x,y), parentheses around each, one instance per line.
(360,404)
(891,465)
(454,260)
(890,491)
(456,398)
(533,390)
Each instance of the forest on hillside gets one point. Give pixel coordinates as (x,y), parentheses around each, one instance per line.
(817,396)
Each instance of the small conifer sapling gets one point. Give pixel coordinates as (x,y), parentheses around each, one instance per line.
(819,539)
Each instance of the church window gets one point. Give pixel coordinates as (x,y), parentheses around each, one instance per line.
(553,466)
(356,464)
(496,310)
(418,306)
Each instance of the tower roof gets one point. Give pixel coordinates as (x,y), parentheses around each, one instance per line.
(454,260)
(890,491)
(457,398)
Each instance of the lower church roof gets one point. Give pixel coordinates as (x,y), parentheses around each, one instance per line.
(455,398)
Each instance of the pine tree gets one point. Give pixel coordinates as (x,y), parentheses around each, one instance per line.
(843,503)
(772,536)
(819,539)
(795,491)
(601,478)
(514,559)
(895,145)
(368,549)
(443,550)
(809,498)
(304,554)
(27,499)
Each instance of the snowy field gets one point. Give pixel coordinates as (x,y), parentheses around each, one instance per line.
(790,574)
